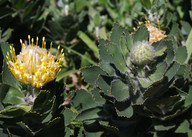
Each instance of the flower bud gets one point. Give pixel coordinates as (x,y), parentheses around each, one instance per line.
(142,53)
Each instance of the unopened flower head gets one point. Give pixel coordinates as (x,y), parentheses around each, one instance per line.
(142,53)
(155,34)
(35,65)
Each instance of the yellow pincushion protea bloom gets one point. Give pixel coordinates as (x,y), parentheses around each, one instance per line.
(35,65)
(155,34)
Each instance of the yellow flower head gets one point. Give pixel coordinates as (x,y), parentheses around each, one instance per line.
(155,34)
(35,65)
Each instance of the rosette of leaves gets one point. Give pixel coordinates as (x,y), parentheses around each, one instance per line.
(142,99)
(25,114)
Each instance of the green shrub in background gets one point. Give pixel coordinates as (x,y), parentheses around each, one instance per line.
(139,81)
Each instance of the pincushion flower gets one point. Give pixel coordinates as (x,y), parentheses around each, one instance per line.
(35,65)
(155,34)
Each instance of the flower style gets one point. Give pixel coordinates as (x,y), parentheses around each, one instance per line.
(35,65)
(155,34)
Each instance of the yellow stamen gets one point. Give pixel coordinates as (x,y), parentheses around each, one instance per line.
(51,46)
(37,41)
(43,42)
(57,51)
(32,41)
(29,37)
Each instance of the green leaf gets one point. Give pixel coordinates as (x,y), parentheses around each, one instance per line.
(26,128)
(189,133)
(83,100)
(170,55)
(5,48)
(97,20)
(103,51)
(156,76)
(181,55)
(8,78)
(65,73)
(172,71)
(129,41)
(97,97)
(52,128)
(19,4)
(163,128)
(93,113)
(3,91)
(159,72)
(68,116)
(186,27)
(92,73)
(116,34)
(124,109)
(117,54)
(141,34)
(175,31)
(4,132)
(189,46)
(6,35)
(14,111)
(124,46)
(80,4)
(160,52)
(93,134)
(43,102)
(188,100)
(84,62)
(14,96)
(68,132)
(152,90)
(183,127)
(105,58)
(102,33)
(89,43)
(28,9)
(80,134)
(104,83)
(120,90)
(146,3)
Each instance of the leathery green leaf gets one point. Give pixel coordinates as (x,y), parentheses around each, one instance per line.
(120,90)
(13,96)
(124,109)
(83,100)
(93,113)
(117,56)
(141,34)
(181,55)
(189,46)
(163,128)
(91,74)
(183,127)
